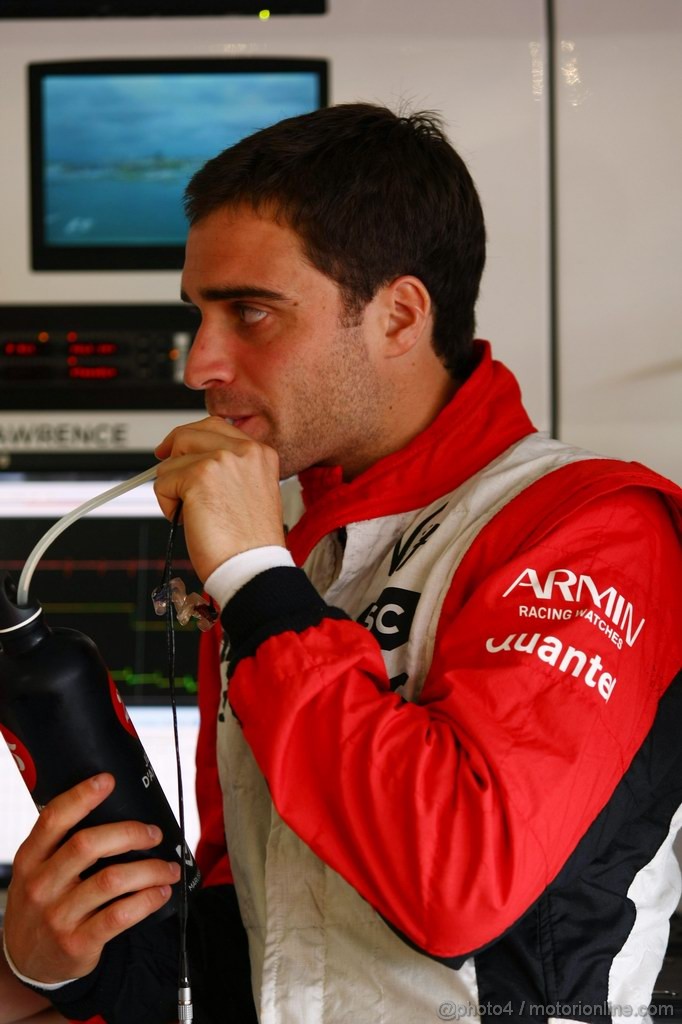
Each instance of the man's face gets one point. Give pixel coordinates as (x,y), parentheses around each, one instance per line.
(273,352)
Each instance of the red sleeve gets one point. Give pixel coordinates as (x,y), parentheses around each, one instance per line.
(451,816)
(211,854)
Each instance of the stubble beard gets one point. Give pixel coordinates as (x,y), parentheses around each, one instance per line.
(337,420)
(333,414)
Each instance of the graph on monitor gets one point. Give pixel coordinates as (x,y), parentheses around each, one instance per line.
(98,577)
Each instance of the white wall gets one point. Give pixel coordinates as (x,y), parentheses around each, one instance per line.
(620,228)
(474,60)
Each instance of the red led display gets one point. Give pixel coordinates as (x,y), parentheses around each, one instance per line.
(93,372)
(20,348)
(91,348)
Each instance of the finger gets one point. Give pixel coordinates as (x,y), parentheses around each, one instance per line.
(172,481)
(65,952)
(121,915)
(165,447)
(205,467)
(111,883)
(61,815)
(186,434)
(84,849)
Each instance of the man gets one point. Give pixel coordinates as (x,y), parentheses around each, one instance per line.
(448,750)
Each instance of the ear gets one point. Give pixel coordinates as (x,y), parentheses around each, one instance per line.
(408,304)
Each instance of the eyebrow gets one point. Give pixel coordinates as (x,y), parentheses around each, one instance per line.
(244,291)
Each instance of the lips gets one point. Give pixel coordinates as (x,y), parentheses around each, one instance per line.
(239,420)
(229,417)
(226,411)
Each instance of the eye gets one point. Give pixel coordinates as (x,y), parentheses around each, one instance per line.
(250,315)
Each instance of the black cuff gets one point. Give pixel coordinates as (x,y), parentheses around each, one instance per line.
(73,998)
(278,600)
(135,981)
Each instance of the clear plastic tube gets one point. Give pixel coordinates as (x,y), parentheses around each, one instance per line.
(71,517)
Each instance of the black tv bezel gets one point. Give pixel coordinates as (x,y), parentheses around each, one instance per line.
(45,256)
(31,9)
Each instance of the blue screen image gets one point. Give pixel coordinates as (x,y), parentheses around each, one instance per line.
(120,149)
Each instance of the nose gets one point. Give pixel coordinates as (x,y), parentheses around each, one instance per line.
(210,362)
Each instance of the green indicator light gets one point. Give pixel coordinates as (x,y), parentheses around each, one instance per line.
(264,15)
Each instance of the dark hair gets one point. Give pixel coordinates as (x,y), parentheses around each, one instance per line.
(372,195)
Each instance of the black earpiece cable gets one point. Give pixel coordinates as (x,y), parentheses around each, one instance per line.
(185,1007)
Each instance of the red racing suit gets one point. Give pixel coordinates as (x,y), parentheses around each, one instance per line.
(451,768)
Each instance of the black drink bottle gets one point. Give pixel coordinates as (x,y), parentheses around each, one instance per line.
(64,721)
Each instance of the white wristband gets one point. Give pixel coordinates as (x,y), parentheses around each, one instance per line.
(31,981)
(228,578)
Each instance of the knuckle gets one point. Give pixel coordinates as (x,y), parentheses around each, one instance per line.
(110,880)
(82,844)
(118,916)
(178,436)
(19,868)
(48,819)
(223,457)
(53,920)
(32,890)
(71,945)
(154,898)
(136,835)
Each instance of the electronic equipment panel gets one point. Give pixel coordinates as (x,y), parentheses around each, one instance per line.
(96,357)
(92,388)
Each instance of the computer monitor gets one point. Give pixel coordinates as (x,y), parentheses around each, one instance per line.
(97,577)
(114,143)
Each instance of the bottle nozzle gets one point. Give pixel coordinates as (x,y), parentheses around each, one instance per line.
(12,615)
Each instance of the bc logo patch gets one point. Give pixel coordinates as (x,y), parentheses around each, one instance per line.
(389,618)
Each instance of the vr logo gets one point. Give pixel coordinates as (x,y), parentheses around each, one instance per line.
(408,546)
(389,618)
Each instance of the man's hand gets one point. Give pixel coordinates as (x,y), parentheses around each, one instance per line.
(56,924)
(229,487)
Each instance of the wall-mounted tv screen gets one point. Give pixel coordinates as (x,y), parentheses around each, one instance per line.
(113,144)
